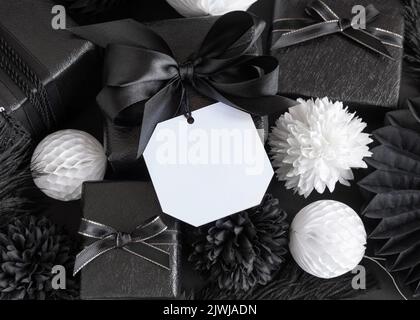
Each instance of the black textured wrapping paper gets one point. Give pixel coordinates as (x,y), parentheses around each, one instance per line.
(67,67)
(338,67)
(184,37)
(118,274)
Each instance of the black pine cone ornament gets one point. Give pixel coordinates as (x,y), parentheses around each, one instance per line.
(29,248)
(243,250)
(395,186)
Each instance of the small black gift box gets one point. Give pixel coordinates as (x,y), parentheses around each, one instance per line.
(335,65)
(45,74)
(136,270)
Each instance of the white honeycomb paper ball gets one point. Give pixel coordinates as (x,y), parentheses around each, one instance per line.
(64,160)
(327,239)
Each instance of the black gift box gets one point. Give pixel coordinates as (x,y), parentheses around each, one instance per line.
(184,36)
(45,74)
(336,66)
(118,274)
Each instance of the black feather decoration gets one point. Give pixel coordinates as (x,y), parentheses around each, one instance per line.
(29,249)
(395,186)
(243,250)
(292,283)
(412,33)
(15,174)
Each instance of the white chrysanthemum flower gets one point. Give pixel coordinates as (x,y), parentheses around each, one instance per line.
(316,144)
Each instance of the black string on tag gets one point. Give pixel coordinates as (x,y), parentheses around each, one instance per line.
(186,107)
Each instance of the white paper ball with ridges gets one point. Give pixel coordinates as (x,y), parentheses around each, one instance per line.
(327,239)
(196,8)
(64,160)
(316,144)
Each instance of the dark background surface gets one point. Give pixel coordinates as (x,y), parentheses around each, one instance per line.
(90,120)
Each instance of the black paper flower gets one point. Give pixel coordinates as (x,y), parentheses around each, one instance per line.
(395,185)
(245,249)
(29,248)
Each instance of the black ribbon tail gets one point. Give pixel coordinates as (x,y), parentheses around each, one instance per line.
(387,37)
(162,106)
(130,84)
(94,230)
(260,106)
(307,33)
(150,229)
(368,40)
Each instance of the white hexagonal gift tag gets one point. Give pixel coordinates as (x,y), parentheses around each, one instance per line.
(212,168)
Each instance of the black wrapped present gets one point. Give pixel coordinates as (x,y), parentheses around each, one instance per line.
(132,249)
(174,67)
(45,74)
(321,54)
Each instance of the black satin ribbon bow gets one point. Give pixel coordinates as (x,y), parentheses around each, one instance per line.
(143,242)
(143,79)
(324,21)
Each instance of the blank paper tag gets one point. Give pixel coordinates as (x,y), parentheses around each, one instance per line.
(212,168)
